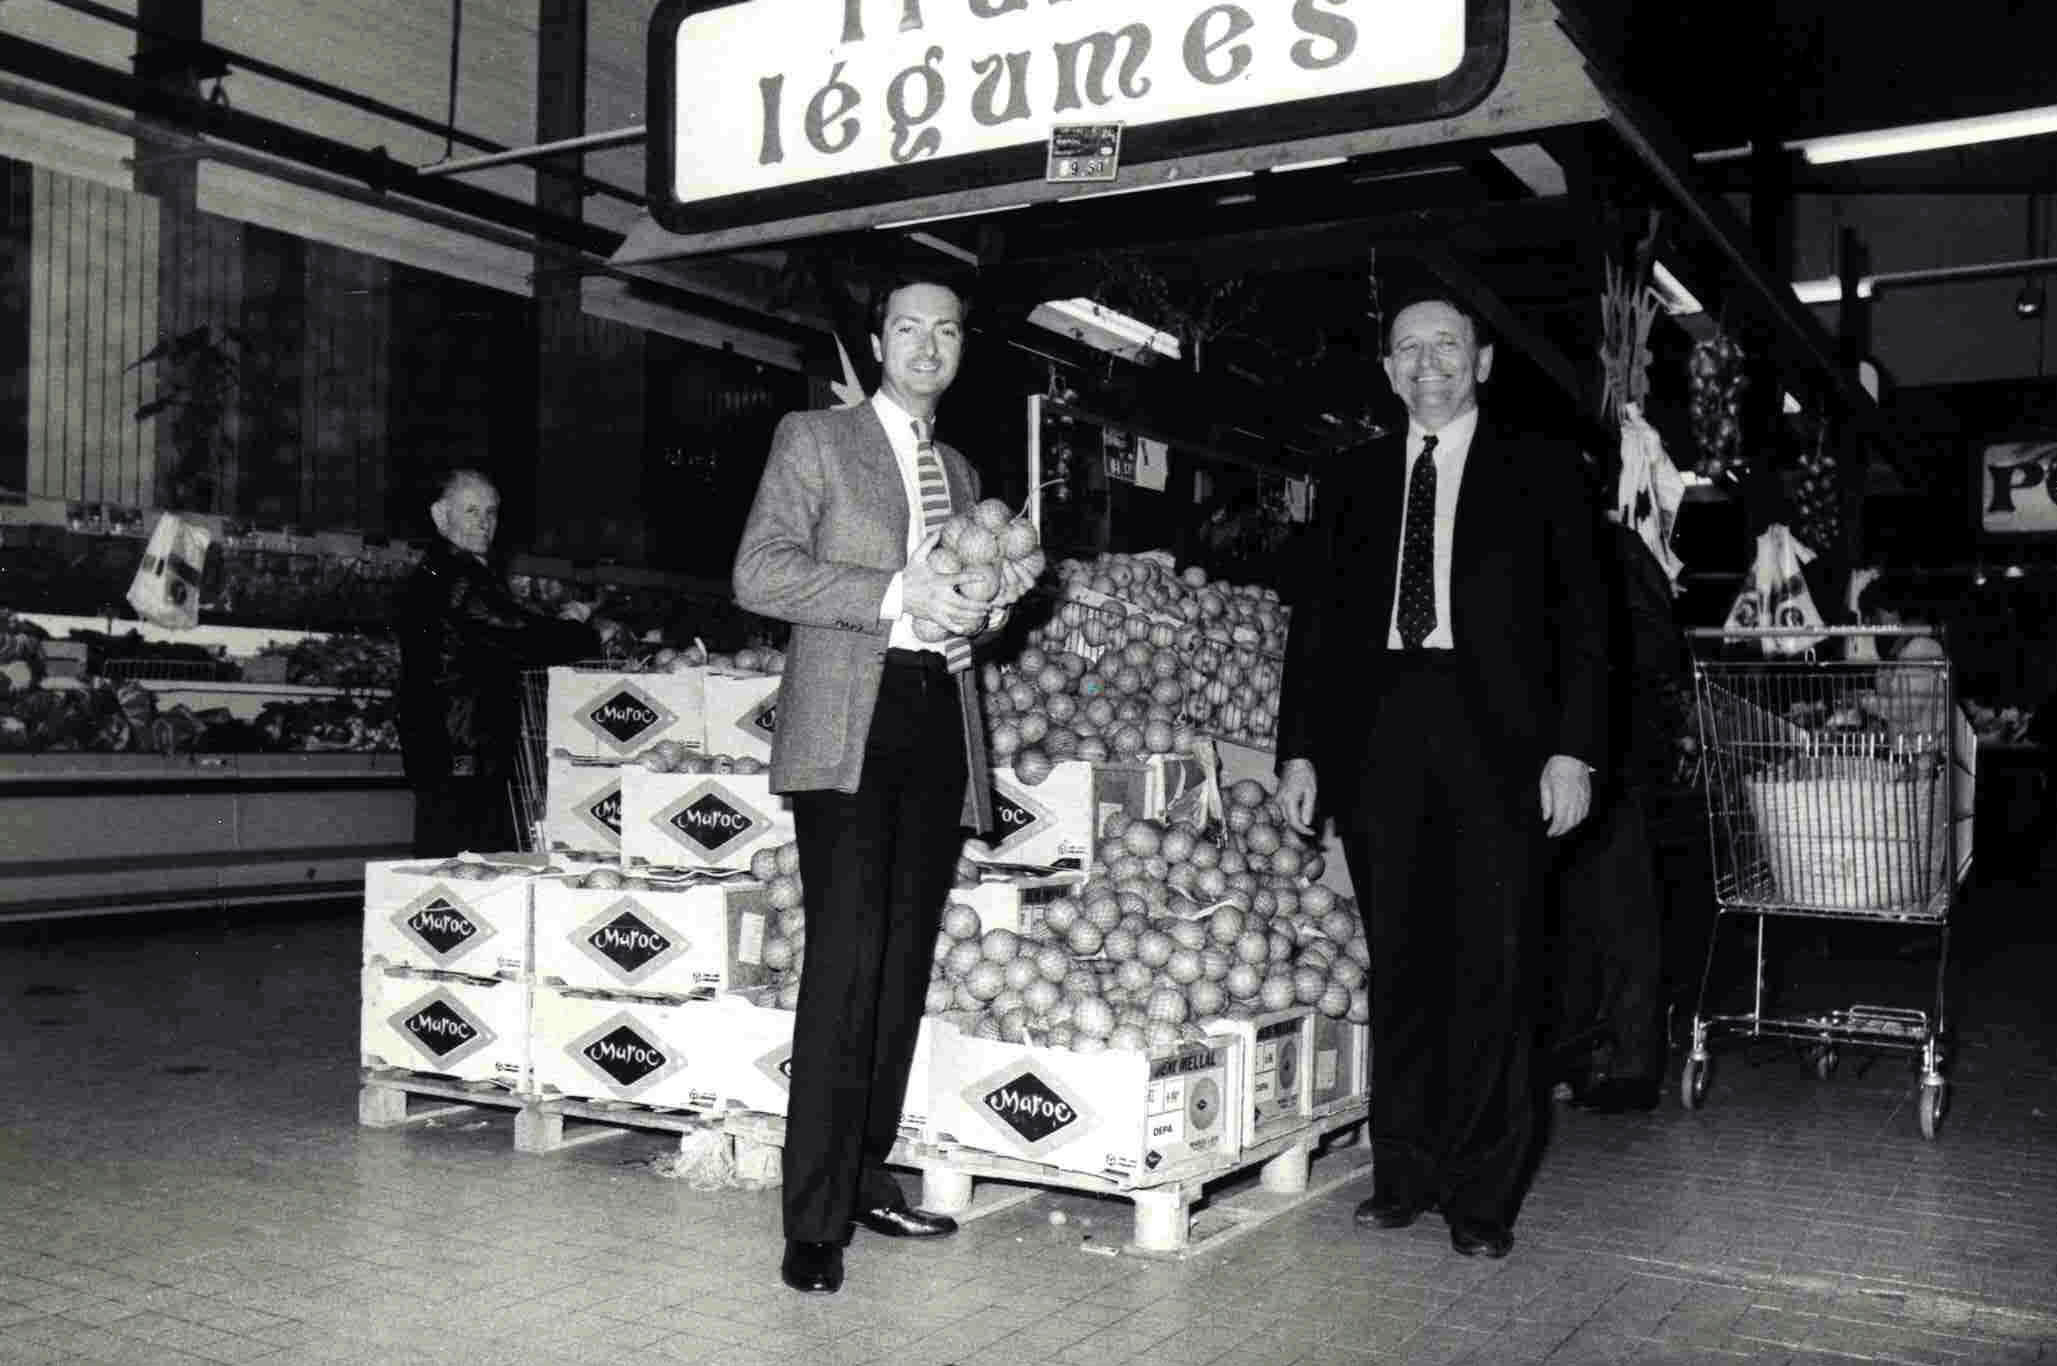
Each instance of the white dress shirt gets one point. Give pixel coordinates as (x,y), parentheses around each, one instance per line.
(1453,443)
(900,436)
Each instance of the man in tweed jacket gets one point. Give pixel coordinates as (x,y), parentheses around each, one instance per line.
(881,750)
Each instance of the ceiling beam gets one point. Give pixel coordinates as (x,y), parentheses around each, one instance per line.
(374,169)
(1050,272)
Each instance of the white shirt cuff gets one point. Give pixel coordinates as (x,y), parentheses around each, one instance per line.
(889,607)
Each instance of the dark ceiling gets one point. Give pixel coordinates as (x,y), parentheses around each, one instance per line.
(1301,261)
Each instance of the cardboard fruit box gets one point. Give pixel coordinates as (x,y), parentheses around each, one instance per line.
(1120,1115)
(468,1028)
(1013,902)
(755,1069)
(582,807)
(614,714)
(1053,824)
(1342,1063)
(1277,1048)
(694,940)
(699,820)
(452,915)
(742,714)
(607,1046)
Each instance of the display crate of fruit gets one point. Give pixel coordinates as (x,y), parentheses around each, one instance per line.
(470,1028)
(1128,1114)
(602,930)
(458,915)
(1142,645)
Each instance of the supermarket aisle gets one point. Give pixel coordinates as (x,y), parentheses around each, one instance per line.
(182,1180)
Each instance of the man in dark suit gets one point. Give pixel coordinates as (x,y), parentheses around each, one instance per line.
(1447,669)
(882,751)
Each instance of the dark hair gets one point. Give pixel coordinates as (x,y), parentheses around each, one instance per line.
(893,282)
(1479,331)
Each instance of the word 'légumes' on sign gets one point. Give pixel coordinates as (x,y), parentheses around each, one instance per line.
(873,83)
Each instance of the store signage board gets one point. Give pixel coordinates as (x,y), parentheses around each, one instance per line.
(2017,487)
(762,110)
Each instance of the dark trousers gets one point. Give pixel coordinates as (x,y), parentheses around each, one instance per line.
(1610,912)
(1445,846)
(459,815)
(875,866)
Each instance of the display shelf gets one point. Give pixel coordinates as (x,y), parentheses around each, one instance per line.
(95,834)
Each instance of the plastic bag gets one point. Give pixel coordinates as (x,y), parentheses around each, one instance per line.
(1776,594)
(166,589)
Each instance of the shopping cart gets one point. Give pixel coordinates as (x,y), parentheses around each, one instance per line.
(530,793)
(1840,790)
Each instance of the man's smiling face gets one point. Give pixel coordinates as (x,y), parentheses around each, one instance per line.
(919,345)
(1435,364)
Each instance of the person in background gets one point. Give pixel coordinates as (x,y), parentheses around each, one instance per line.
(1446,673)
(881,750)
(464,642)
(1911,700)
(1612,911)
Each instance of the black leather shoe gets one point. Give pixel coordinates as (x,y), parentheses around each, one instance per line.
(1620,1096)
(898,1221)
(1477,1238)
(816,1268)
(1389,1209)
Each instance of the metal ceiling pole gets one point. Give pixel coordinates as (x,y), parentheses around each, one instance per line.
(590,142)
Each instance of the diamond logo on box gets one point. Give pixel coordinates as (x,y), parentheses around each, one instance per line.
(441,1028)
(1039,1112)
(762,718)
(630,942)
(440,924)
(777,1066)
(710,820)
(1017,817)
(602,811)
(620,1054)
(625,715)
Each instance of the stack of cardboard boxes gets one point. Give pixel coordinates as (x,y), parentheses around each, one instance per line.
(626,964)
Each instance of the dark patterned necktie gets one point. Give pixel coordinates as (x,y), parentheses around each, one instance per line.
(935,510)
(1417,604)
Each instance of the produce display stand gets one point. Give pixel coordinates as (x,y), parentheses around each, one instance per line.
(92,834)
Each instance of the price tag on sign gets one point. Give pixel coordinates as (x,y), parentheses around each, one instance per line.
(1084,151)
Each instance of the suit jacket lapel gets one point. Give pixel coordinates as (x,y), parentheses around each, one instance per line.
(881,469)
(1481,511)
(1385,479)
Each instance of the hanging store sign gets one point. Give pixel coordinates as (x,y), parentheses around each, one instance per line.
(2018,488)
(767,109)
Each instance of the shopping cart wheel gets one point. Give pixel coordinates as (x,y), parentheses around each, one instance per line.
(1692,1082)
(1934,1100)
(1822,1061)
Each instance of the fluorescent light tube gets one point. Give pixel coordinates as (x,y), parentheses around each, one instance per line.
(1925,137)
(1828,290)
(1677,298)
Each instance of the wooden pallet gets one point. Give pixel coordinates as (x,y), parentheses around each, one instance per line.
(967,1183)
(393,1097)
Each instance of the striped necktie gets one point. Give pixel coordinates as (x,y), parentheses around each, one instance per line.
(935,510)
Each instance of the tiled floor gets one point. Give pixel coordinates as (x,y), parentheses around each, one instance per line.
(182,1179)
